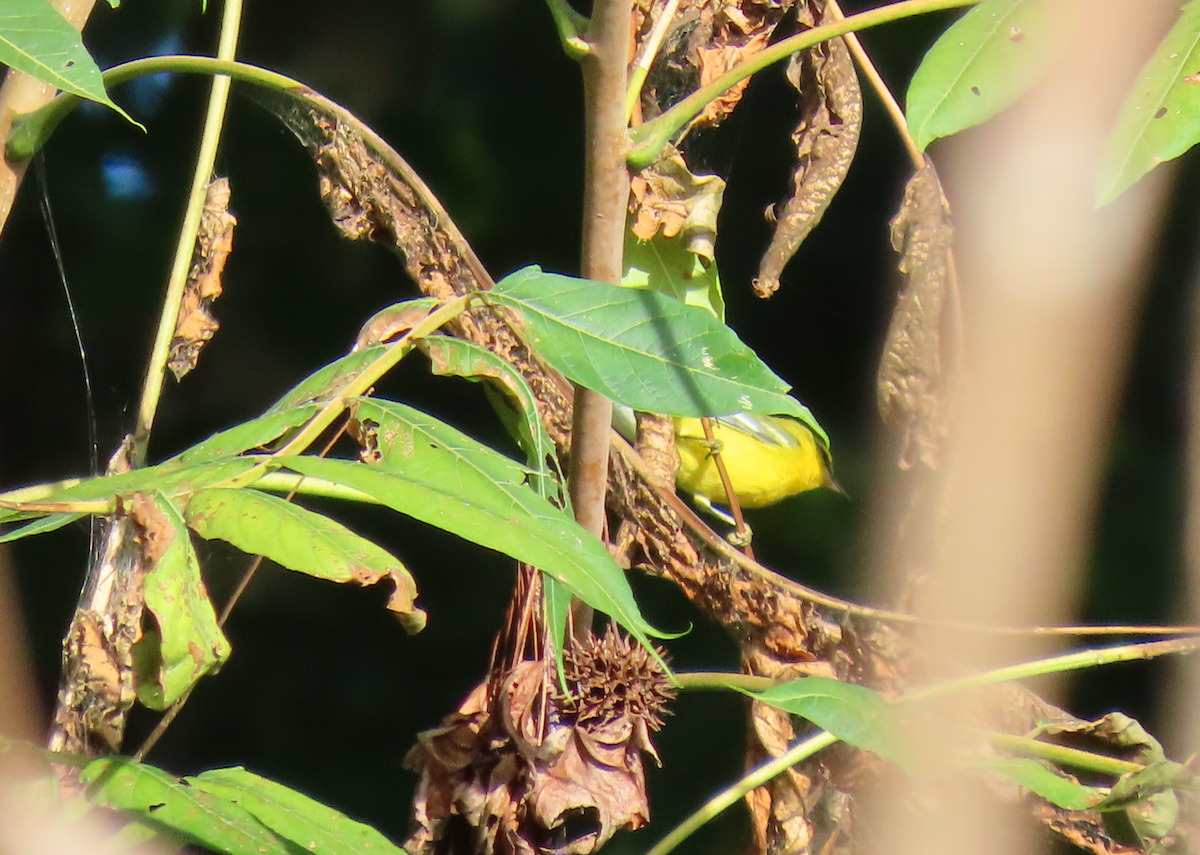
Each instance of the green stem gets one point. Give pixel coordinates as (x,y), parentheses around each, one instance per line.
(1062,755)
(702,680)
(650,138)
(810,746)
(214,122)
(571,25)
(31,130)
(306,485)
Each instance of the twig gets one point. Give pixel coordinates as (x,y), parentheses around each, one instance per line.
(735,507)
(214,120)
(646,55)
(570,25)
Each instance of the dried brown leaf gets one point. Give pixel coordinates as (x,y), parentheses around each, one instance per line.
(666,197)
(705,39)
(826,139)
(214,242)
(916,371)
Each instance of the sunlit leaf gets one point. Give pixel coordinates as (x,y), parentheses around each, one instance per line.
(247,436)
(166,801)
(36,39)
(170,478)
(323,383)
(666,265)
(302,540)
(852,713)
(644,349)
(292,815)
(1160,118)
(428,470)
(53,522)
(988,59)
(187,642)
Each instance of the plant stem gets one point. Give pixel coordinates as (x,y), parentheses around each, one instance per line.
(214,121)
(1062,755)
(32,129)
(605,197)
(811,745)
(570,25)
(645,57)
(649,139)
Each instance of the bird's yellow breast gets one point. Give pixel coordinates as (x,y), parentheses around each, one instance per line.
(762,471)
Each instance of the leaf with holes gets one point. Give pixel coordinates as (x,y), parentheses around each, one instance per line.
(186,642)
(644,349)
(165,801)
(36,39)
(989,58)
(318,828)
(304,541)
(1160,119)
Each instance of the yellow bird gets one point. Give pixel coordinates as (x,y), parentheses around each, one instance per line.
(768,458)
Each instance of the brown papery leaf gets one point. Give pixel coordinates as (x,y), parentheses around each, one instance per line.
(913,386)
(705,39)
(826,139)
(214,242)
(666,197)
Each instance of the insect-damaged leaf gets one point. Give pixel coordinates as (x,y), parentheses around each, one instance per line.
(988,59)
(304,541)
(914,382)
(826,139)
(186,643)
(163,800)
(319,829)
(36,39)
(214,241)
(1160,119)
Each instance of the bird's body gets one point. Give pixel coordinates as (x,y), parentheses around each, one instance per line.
(768,458)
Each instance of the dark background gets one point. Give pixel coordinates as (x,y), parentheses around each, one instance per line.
(324,692)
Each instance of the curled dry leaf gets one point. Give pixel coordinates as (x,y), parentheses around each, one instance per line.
(214,242)
(97,686)
(705,39)
(826,139)
(915,374)
(667,198)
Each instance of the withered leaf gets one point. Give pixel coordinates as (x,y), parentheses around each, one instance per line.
(826,139)
(914,382)
(214,242)
(704,40)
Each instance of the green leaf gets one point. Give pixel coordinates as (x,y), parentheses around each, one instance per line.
(163,800)
(1055,788)
(45,524)
(644,349)
(171,478)
(988,59)
(188,642)
(302,540)
(557,600)
(852,713)
(432,472)
(666,265)
(324,383)
(36,39)
(454,356)
(318,828)
(246,436)
(1160,118)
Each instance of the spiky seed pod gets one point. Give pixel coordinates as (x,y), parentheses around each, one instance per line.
(612,677)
